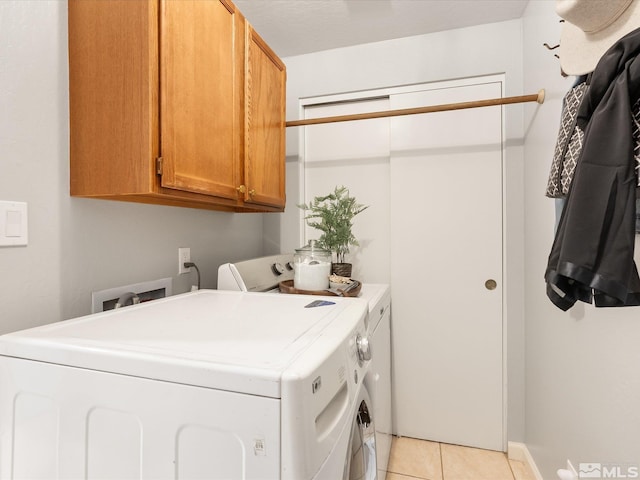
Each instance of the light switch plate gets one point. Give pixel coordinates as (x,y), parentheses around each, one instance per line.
(13,224)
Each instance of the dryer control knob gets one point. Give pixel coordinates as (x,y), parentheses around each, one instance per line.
(364,349)
(277,268)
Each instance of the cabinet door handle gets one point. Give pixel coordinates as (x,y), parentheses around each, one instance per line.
(241,189)
(252,192)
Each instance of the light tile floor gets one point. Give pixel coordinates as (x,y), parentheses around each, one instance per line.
(413,459)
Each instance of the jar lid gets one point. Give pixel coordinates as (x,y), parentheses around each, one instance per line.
(312,247)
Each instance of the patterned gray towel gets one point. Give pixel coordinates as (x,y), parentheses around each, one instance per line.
(568,145)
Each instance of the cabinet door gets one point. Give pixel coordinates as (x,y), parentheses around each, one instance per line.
(264,165)
(113,96)
(200,83)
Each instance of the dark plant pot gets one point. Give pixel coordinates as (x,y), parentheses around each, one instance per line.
(342,269)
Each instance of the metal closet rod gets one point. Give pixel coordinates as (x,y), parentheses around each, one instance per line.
(536,97)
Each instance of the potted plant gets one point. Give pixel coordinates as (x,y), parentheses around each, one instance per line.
(333,214)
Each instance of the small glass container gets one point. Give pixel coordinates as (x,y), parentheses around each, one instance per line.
(311,267)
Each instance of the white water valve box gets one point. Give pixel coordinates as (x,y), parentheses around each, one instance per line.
(13,224)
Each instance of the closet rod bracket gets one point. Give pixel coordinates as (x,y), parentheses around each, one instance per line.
(540,99)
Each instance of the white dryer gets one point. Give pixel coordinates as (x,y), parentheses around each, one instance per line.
(263,274)
(210,384)
(378,378)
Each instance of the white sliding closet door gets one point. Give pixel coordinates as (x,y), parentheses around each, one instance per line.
(446,267)
(356,155)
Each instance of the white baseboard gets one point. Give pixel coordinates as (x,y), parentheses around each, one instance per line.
(519,452)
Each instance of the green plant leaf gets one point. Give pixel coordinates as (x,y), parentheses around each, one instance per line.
(332,214)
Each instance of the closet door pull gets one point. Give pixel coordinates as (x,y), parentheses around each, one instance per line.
(490,284)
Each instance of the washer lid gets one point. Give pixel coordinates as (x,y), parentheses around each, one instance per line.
(232,341)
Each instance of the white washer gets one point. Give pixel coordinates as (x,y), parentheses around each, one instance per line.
(263,274)
(210,384)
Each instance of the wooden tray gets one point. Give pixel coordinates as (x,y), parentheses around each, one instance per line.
(287,287)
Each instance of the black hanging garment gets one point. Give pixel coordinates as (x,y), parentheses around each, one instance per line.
(592,254)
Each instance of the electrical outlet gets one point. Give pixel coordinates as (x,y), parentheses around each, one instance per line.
(184,255)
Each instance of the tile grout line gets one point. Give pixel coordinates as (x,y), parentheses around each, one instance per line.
(441,461)
(408,475)
(513,474)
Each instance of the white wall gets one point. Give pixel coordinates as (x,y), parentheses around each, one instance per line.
(76,245)
(468,52)
(582,366)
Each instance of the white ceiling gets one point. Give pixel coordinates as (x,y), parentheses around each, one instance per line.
(295,27)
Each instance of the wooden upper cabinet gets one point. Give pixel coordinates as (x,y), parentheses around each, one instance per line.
(169,104)
(265,101)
